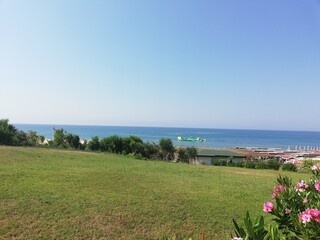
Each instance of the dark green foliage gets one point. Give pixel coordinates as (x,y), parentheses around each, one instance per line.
(253,230)
(261,165)
(132,145)
(58,137)
(182,155)
(32,138)
(94,144)
(8,133)
(167,148)
(73,140)
(111,144)
(21,138)
(273,164)
(215,162)
(191,152)
(249,164)
(239,163)
(223,162)
(150,150)
(289,167)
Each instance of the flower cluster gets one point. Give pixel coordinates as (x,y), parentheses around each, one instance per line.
(301,186)
(268,207)
(277,190)
(295,208)
(315,167)
(310,214)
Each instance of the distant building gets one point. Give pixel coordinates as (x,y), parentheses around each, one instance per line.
(207,157)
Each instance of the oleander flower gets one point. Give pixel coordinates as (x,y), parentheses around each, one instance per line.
(277,190)
(305,200)
(305,216)
(287,211)
(268,207)
(315,167)
(237,238)
(315,214)
(301,186)
(310,214)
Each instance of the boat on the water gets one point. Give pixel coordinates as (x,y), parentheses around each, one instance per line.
(191,139)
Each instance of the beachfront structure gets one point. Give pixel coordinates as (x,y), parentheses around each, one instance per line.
(207,157)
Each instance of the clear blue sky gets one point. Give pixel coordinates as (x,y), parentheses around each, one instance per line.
(219,64)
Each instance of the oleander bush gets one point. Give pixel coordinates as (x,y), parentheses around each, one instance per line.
(295,212)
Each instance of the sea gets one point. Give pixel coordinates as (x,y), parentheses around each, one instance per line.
(215,138)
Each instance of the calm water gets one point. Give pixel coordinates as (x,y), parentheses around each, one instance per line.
(217,138)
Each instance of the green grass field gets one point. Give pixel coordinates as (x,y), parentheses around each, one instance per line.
(56,194)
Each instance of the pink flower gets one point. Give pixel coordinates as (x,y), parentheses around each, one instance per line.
(315,167)
(287,211)
(315,214)
(310,214)
(268,207)
(305,216)
(277,190)
(301,186)
(237,238)
(305,200)
(317,186)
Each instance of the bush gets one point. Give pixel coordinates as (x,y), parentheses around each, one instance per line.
(223,162)
(94,144)
(261,165)
(249,164)
(273,164)
(239,163)
(215,162)
(289,167)
(306,166)
(295,210)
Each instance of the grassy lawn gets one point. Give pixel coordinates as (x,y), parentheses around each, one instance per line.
(56,194)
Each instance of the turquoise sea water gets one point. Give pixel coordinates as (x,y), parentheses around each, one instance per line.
(217,138)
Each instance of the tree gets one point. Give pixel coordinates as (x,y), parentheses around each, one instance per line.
(8,133)
(111,144)
(73,140)
(58,137)
(32,138)
(94,144)
(167,148)
(191,153)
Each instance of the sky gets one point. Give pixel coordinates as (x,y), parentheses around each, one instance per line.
(174,63)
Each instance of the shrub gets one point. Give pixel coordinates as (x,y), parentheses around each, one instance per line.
(289,167)
(306,165)
(239,163)
(94,144)
(295,210)
(215,162)
(249,164)
(261,165)
(273,164)
(223,162)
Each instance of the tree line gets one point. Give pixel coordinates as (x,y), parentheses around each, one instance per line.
(132,145)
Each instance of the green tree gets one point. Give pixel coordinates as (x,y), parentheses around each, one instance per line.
(8,133)
(167,148)
(111,144)
(151,150)
(191,153)
(73,140)
(32,138)
(59,137)
(94,144)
